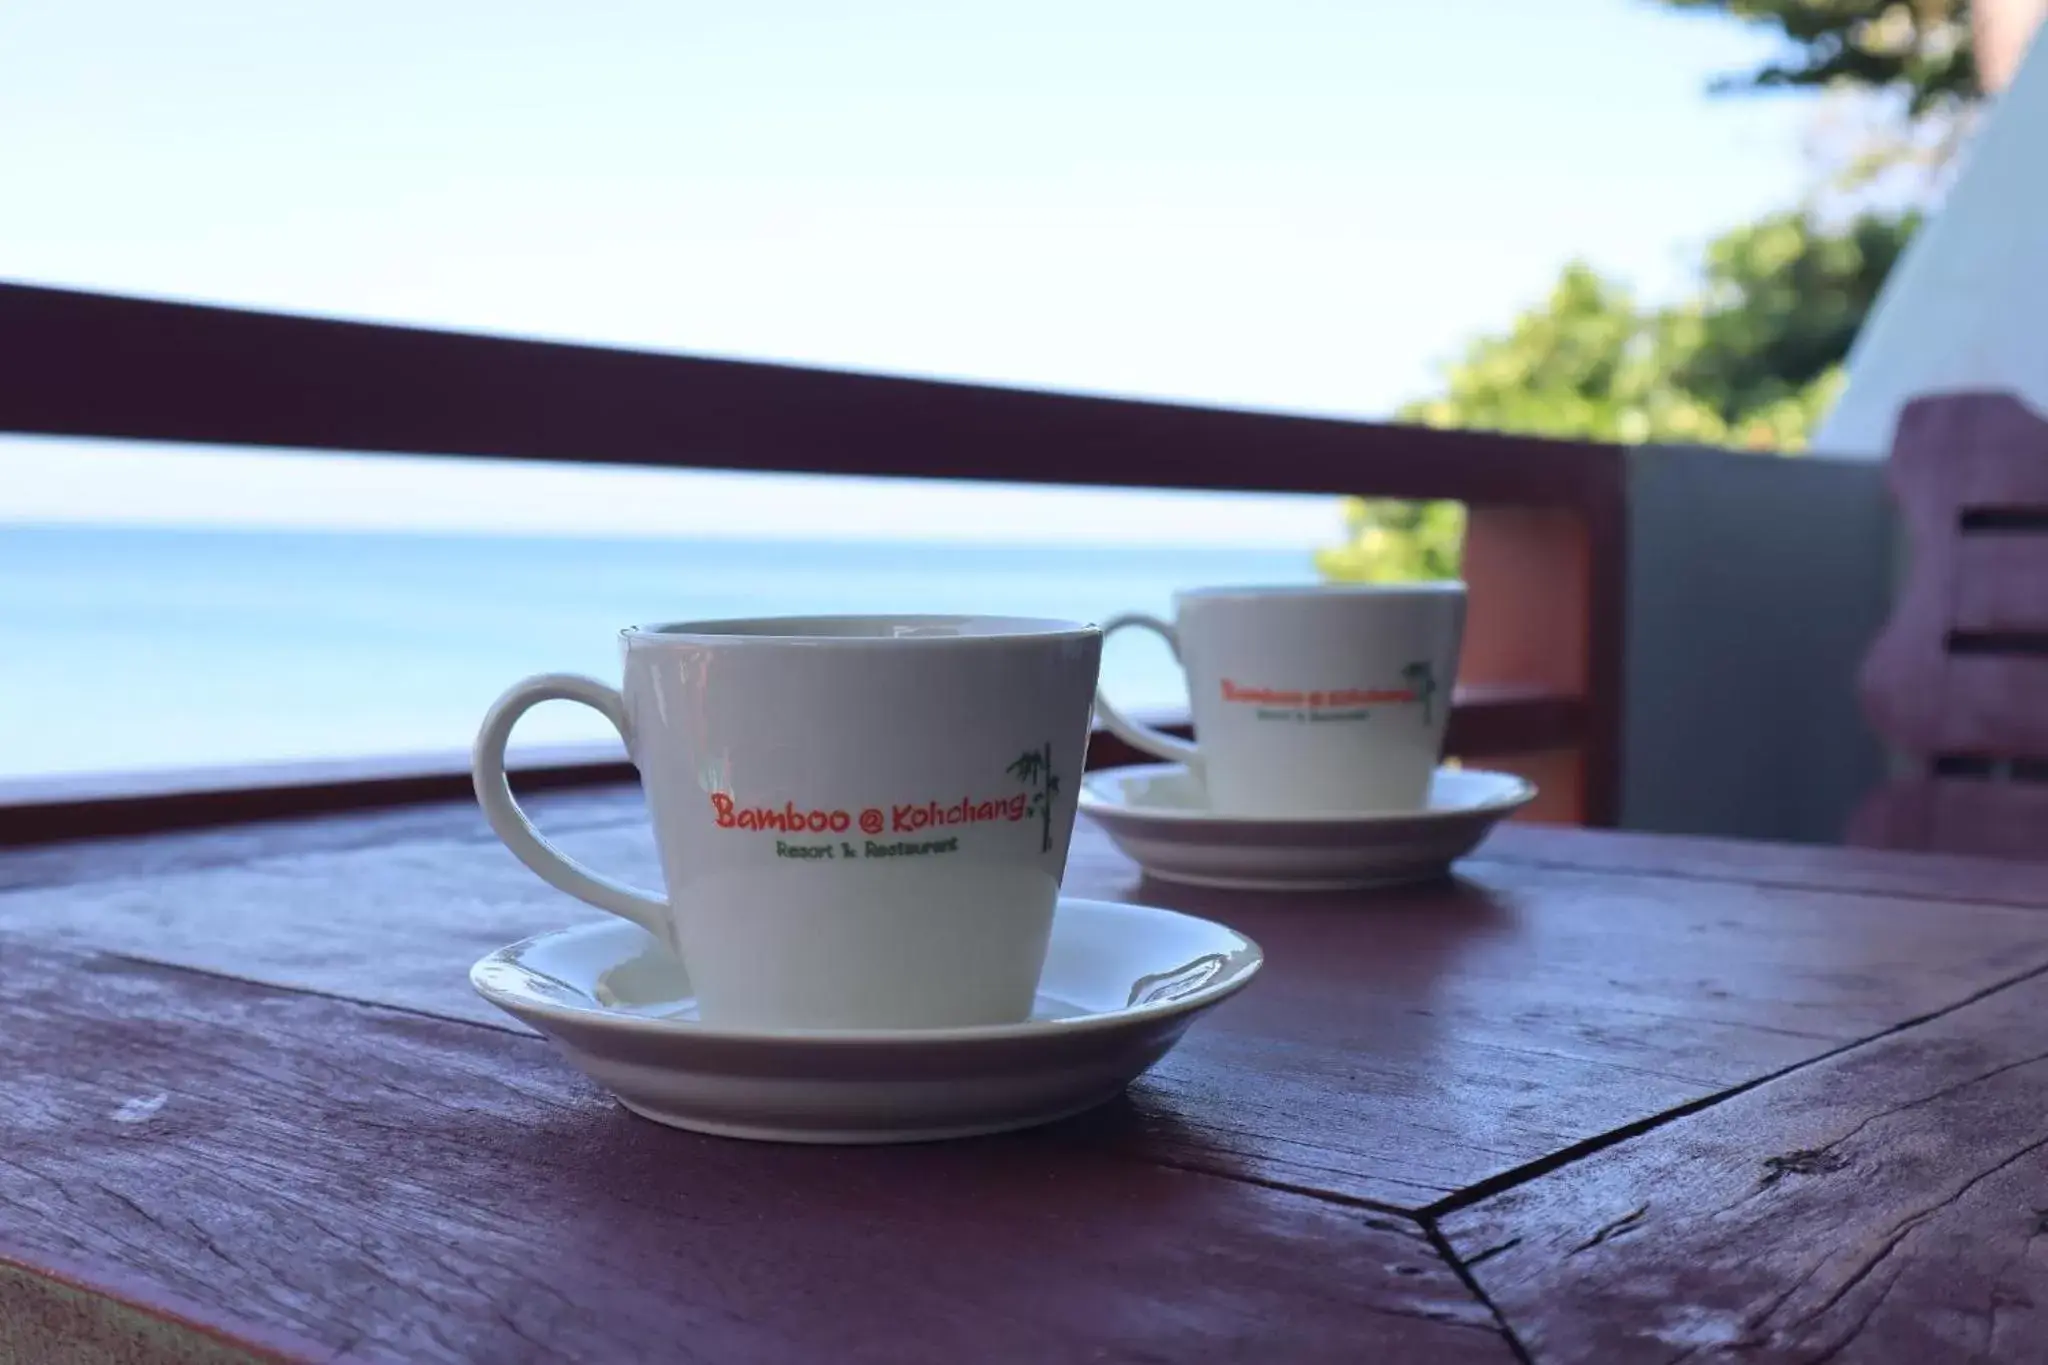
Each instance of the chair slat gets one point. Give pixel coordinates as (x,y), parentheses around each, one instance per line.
(2001,582)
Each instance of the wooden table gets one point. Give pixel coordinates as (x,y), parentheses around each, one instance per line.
(1601,1098)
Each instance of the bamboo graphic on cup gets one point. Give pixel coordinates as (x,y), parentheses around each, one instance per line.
(1422,678)
(1034,769)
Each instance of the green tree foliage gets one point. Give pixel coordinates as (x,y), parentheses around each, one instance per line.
(1917,49)
(1589,363)
(1388,541)
(1908,66)
(1752,357)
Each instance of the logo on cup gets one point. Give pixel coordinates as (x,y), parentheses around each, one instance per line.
(1336,704)
(1033,768)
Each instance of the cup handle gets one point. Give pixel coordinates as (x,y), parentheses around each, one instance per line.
(1155,742)
(494,794)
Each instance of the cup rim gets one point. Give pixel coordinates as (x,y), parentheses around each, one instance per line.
(816,630)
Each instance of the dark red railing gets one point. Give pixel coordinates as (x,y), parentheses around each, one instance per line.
(1545,558)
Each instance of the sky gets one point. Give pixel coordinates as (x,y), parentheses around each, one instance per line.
(1285,205)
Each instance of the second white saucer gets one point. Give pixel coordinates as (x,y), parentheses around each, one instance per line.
(1159,815)
(1121,985)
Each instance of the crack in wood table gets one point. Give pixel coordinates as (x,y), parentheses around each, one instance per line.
(1599,1097)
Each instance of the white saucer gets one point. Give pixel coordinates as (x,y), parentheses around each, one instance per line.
(1159,815)
(1120,986)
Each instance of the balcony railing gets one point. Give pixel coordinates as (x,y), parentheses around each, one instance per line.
(1539,688)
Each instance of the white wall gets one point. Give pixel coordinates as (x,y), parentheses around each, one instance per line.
(1967,305)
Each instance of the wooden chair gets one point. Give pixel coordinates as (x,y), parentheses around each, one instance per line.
(1958,680)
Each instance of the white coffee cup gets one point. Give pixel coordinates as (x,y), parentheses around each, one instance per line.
(1309,700)
(862,820)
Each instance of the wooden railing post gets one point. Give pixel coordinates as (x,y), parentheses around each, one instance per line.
(1544,617)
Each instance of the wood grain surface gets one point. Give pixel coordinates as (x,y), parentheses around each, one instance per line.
(1661,1096)
(392,1187)
(1400,1047)
(1889,1204)
(1911,875)
(1406,1047)
(76,863)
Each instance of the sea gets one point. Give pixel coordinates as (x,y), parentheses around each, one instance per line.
(125,649)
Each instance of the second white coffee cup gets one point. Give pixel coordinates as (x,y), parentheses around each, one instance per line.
(1329,699)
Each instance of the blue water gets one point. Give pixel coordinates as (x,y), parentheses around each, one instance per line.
(132,648)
